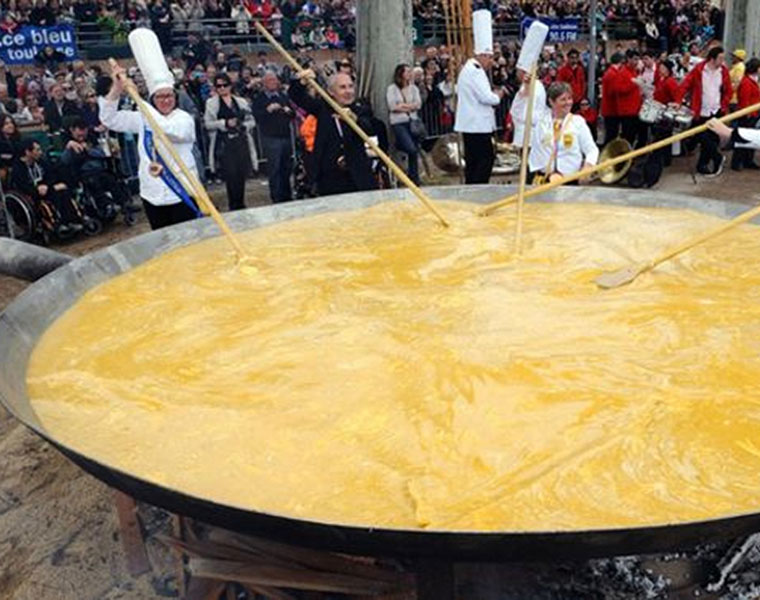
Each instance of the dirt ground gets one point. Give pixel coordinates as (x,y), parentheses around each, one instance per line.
(59,538)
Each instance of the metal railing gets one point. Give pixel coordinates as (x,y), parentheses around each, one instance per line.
(304,32)
(296,33)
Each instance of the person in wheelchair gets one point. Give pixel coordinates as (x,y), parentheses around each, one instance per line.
(34,177)
(85,163)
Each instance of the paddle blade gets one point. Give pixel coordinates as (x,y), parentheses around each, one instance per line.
(247,265)
(617,278)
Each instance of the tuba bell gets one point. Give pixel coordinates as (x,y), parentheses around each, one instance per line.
(615,148)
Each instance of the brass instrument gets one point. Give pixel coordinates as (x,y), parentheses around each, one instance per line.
(615,173)
(608,176)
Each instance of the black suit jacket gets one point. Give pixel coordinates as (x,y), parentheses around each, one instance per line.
(56,121)
(329,145)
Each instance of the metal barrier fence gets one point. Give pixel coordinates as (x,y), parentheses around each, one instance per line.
(304,32)
(438,116)
(312,32)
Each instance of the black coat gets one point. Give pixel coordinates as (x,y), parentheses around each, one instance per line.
(21,179)
(57,121)
(9,150)
(272,124)
(329,146)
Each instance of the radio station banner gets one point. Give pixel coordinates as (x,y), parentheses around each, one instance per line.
(560,30)
(21,46)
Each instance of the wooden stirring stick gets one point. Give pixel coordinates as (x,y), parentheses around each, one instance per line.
(351,122)
(627,274)
(524,160)
(489,208)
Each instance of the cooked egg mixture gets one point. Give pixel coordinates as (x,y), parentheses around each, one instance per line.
(383,371)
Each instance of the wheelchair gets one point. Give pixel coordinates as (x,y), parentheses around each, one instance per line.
(38,221)
(103,196)
(19,218)
(101,190)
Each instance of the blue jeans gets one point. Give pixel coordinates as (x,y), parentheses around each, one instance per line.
(407,144)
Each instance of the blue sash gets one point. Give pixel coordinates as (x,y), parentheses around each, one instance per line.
(166,175)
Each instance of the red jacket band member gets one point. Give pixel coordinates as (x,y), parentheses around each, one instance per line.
(710,88)
(572,72)
(747,94)
(715,97)
(666,88)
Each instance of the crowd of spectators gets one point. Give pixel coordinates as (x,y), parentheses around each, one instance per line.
(308,23)
(52,92)
(664,24)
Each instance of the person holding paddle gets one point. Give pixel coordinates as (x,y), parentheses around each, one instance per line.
(738,138)
(562,142)
(164,197)
(341,164)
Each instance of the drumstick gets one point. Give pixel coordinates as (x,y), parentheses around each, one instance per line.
(489,208)
(351,122)
(196,188)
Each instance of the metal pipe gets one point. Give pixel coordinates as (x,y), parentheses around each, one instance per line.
(27,261)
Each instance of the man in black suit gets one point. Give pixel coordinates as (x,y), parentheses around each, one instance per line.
(341,161)
(58,108)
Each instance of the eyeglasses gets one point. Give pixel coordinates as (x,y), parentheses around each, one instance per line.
(220,86)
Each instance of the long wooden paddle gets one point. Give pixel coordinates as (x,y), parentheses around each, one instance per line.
(627,274)
(351,122)
(197,191)
(489,208)
(524,159)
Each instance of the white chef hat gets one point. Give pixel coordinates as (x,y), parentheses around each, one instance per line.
(150,59)
(532,45)
(482,31)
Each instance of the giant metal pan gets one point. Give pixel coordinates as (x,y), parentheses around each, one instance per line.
(24,321)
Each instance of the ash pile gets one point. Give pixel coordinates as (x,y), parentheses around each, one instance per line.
(716,571)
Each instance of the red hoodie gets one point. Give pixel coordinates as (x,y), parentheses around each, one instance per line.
(748,93)
(628,93)
(692,83)
(609,84)
(576,78)
(666,90)
(589,115)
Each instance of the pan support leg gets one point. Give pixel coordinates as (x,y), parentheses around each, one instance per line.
(435,580)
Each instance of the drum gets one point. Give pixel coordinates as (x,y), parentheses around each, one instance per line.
(684,118)
(679,118)
(651,111)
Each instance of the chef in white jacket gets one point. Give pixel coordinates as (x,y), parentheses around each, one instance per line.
(164,196)
(476,101)
(561,143)
(519,107)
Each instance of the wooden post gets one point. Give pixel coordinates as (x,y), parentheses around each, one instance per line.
(131,536)
(435,580)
